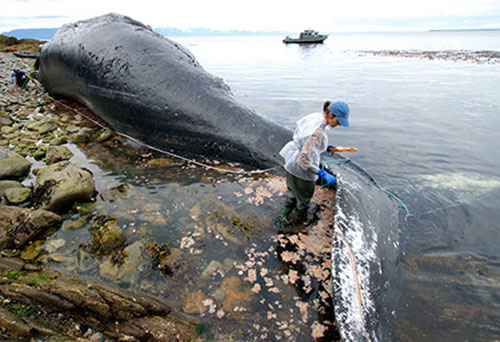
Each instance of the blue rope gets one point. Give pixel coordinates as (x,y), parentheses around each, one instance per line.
(399,200)
(323,183)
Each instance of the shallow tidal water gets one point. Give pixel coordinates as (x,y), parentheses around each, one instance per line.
(426,129)
(203,241)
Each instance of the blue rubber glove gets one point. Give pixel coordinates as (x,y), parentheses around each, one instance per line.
(328,149)
(330,179)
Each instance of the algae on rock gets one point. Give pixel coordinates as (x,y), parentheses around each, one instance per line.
(106,235)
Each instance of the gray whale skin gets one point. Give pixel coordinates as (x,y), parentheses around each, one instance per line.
(152,88)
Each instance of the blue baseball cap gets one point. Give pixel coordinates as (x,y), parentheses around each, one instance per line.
(341,111)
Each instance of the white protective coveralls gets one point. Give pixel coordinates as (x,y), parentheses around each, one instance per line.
(302,154)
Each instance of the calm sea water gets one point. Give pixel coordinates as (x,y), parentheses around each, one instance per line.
(427,130)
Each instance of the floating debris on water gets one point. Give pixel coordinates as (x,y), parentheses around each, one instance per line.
(479,57)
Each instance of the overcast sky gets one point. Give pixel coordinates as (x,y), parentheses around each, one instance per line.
(261,15)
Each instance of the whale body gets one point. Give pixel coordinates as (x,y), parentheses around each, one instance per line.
(152,88)
(367,266)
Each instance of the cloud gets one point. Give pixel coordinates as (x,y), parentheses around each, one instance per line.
(419,23)
(38,17)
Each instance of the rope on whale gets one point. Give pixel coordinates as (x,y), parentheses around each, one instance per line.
(171,154)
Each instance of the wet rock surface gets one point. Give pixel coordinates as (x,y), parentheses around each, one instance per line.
(12,165)
(106,235)
(58,153)
(127,270)
(7,184)
(18,226)
(119,314)
(60,185)
(17,195)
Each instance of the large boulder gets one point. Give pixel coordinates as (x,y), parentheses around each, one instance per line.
(106,235)
(58,153)
(18,225)
(7,184)
(61,184)
(12,165)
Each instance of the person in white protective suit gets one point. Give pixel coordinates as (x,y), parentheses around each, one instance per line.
(302,157)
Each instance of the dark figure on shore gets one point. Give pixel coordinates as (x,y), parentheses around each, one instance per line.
(19,78)
(302,157)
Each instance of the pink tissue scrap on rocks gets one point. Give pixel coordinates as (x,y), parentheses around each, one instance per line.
(256,288)
(303,309)
(292,257)
(252,276)
(260,194)
(293,276)
(318,330)
(187,242)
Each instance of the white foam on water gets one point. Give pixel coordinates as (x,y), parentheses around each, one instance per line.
(467,183)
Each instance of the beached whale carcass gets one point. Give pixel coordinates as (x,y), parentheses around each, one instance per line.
(152,88)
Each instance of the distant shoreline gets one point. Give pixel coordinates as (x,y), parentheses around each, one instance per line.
(47,33)
(465,30)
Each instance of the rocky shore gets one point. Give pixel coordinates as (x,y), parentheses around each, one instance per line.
(86,213)
(38,184)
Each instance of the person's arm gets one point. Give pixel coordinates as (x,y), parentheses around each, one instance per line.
(308,150)
(310,147)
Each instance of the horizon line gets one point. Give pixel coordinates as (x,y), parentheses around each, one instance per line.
(207,31)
